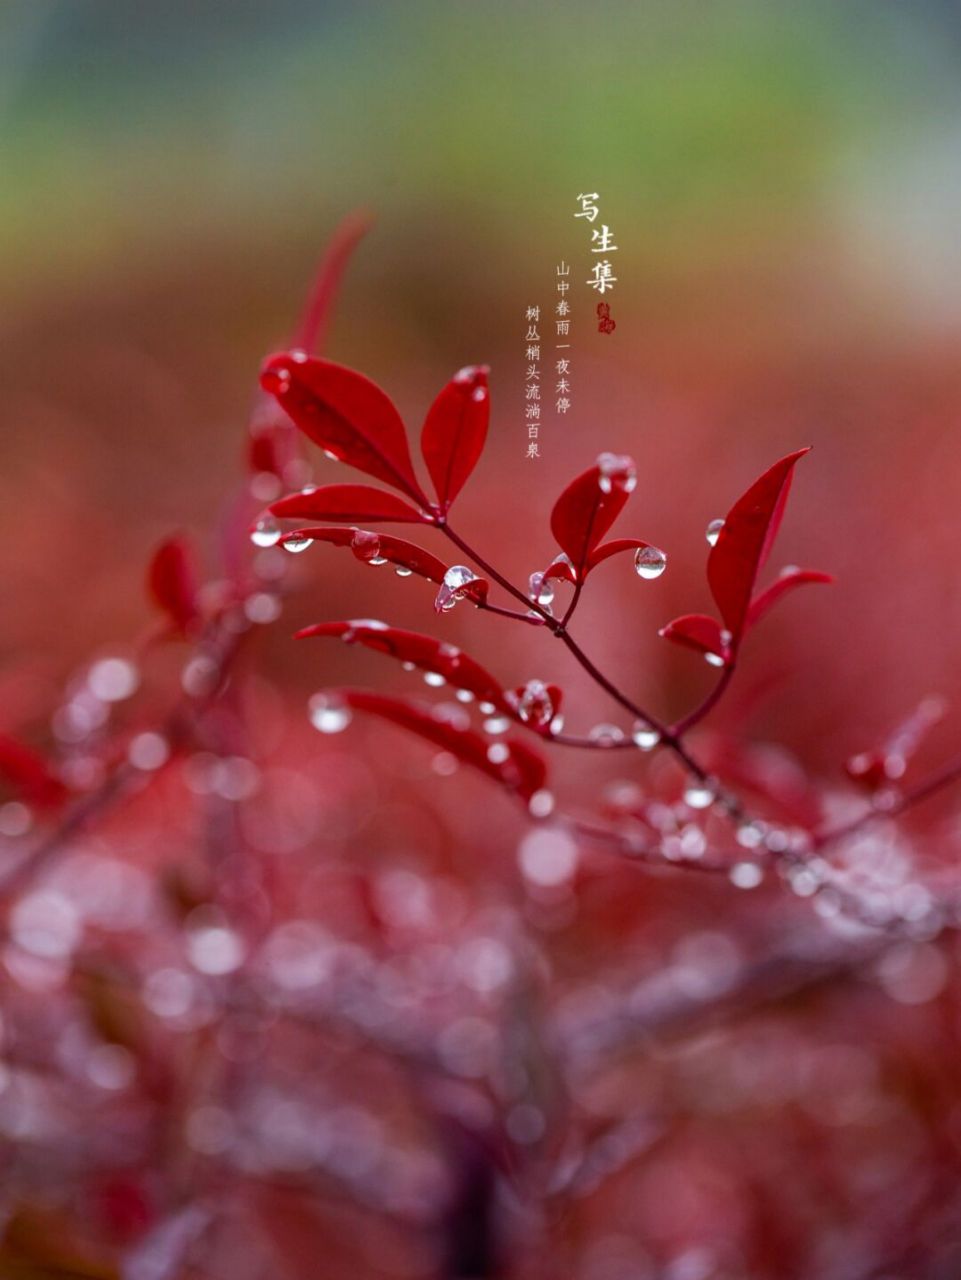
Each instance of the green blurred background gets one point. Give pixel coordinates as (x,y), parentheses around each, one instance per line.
(785,185)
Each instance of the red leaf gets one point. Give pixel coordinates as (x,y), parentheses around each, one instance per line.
(348,502)
(371,547)
(697,631)
(452,589)
(457,669)
(745,540)
(521,771)
(316,316)
(608,549)
(172,582)
(272,448)
(346,414)
(583,514)
(455,430)
(29,774)
(889,762)
(788,580)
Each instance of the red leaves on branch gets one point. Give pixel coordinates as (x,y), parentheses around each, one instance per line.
(29,775)
(172,583)
(348,502)
(373,548)
(455,430)
(699,632)
(889,762)
(444,660)
(608,549)
(743,544)
(510,762)
(745,540)
(349,416)
(790,578)
(586,510)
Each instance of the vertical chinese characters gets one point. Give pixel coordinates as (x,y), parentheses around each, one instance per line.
(602,278)
(562,324)
(532,382)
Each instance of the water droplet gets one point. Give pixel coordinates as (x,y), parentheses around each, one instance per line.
(148,751)
(199,676)
(486,708)
(547,857)
(328,714)
(714,660)
(565,559)
(649,562)
(616,471)
(113,679)
(497,724)
(15,819)
(402,571)
(265,487)
(331,456)
(750,835)
(266,532)
(434,679)
(541,591)
(296,545)
(606,735)
(275,381)
(213,947)
(535,704)
(644,736)
(746,875)
(699,796)
(46,923)
(498,753)
(456,578)
(541,804)
(464,695)
(713,532)
(262,607)
(366,546)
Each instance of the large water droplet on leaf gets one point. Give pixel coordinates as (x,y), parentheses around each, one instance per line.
(541,591)
(366,546)
(616,471)
(296,545)
(328,714)
(266,532)
(535,704)
(456,577)
(649,562)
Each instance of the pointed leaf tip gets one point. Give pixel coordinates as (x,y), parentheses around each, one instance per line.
(455,431)
(744,542)
(349,416)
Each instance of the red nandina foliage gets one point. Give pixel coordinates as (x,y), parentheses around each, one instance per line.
(273,1003)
